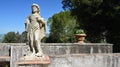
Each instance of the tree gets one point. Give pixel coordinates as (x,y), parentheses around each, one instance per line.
(62,27)
(11,37)
(100,18)
(1,37)
(23,37)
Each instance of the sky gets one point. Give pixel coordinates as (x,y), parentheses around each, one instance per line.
(14,12)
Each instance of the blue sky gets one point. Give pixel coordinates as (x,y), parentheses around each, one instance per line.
(14,12)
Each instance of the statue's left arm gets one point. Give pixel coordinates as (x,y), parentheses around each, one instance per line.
(42,21)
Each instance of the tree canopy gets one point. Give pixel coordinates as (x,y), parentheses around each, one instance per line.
(100,18)
(62,27)
(12,37)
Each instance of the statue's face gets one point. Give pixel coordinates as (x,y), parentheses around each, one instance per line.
(34,9)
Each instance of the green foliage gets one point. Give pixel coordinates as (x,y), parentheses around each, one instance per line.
(62,27)
(12,37)
(96,16)
(23,37)
(1,37)
(44,40)
(100,18)
(80,31)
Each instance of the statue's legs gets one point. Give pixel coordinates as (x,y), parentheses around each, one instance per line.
(39,50)
(38,43)
(31,45)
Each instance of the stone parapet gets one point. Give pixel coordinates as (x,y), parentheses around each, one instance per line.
(75,48)
(64,54)
(61,48)
(85,60)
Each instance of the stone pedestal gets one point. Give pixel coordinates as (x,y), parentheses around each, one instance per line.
(28,61)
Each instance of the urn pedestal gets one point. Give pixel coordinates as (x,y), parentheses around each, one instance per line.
(80,38)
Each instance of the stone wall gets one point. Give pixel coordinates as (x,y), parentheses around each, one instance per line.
(75,48)
(5,48)
(85,60)
(72,60)
(61,48)
(66,54)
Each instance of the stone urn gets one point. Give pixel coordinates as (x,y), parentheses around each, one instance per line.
(80,38)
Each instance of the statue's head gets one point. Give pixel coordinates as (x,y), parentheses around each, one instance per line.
(35,8)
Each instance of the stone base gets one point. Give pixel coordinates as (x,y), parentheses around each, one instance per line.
(4,58)
(34,60)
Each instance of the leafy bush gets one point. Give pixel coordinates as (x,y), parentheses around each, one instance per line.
(80,31)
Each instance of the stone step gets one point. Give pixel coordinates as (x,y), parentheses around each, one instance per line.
(4,58)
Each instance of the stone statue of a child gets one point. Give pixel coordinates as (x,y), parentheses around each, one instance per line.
(35,27)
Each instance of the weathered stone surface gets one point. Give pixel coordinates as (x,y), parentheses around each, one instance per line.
(4,49)
(17,51)
(35,27)
(85,60)
(74,48)
(67,54)
(44,60)
(4,58)
(61,48)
